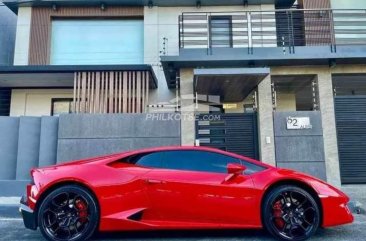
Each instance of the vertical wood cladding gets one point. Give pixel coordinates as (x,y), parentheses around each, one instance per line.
(318,24)
(111,92)
(39,46)
(314,4)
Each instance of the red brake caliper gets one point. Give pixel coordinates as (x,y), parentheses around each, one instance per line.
(277,214)
(82,208)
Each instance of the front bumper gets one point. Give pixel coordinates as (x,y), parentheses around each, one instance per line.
(336,212)
(29,218)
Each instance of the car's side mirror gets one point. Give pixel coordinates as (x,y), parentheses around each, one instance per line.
(235,168)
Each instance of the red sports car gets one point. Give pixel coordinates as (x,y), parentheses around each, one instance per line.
(178,188)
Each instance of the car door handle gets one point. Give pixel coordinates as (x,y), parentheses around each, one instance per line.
(154,181)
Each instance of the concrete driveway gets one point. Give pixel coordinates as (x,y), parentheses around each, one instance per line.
(11,228)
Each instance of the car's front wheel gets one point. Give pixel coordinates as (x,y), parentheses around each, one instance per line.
(290,213)
(68,213)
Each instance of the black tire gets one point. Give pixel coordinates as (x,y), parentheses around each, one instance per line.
(68,213)
(290,213)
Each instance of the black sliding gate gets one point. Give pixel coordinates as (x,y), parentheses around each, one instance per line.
(230,132)
(350,112)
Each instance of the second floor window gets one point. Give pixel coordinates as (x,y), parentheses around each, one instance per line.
(221,32)
(97,41)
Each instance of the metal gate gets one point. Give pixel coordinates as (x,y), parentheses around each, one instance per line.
(350,112)
(229,132)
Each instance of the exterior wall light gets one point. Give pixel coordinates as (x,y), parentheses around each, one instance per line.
(102,7)
(150,4)
(198,4)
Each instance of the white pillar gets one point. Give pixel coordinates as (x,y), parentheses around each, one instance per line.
(326,102)
(265,122)
(188,132)
(21,52)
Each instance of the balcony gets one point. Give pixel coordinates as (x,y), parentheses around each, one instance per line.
(281,28)
(268,38)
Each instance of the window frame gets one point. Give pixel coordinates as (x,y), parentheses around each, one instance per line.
(221,17)
(54,100)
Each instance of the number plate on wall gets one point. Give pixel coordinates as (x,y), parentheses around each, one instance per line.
(296,123)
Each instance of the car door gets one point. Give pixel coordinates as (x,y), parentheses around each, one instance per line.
(191,188)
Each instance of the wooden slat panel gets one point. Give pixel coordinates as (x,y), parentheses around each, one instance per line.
(111,93)
(147,79)
(120,92)
(40,33)
(129,109)
(78,93)
(105,101)
(124,93)
(97,93)
(138,92)
(133,97)
(83,92)
(101,103)
(75,85)
(143,91)
(87,101)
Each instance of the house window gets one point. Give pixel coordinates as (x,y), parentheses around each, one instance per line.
(221,32)
(61,106)
(97,41)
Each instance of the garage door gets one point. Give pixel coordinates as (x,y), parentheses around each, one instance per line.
(350,114)
(97,41)
(229,132)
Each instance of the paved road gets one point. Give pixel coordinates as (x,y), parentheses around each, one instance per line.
(11,229)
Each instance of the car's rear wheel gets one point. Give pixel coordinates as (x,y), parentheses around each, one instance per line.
(290,213)
(68,213)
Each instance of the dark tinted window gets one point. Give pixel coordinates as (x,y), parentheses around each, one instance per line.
(197,161)
(251,168)
(147,160)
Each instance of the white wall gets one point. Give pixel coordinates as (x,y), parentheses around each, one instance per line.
(348,4)
(162,22)
(35,102)
(22,36)
(286,102)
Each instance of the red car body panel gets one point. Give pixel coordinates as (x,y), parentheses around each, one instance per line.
(171,199)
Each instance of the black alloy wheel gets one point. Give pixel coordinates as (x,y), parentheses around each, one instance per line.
(68,213)
(290,213)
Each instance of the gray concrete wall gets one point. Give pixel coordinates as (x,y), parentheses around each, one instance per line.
(84,135)
(9,133)
(301,150)
(26,142)
(8,23)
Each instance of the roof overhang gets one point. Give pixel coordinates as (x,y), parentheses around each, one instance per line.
(231,84)
(14,4)
(59,76)
(261,57)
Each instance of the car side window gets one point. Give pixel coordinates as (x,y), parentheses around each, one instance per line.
(201,161)
(251,167)
(148,160)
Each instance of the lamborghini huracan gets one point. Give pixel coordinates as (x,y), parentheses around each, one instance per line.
(173,188)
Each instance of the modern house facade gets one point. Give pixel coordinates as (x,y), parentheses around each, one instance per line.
(281,81)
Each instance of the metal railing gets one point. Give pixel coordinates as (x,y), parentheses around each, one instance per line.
(277,28)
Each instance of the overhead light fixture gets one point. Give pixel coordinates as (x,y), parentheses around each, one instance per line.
(198,4)
(150,4)
(102,6)
(332,63)
(54,7)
